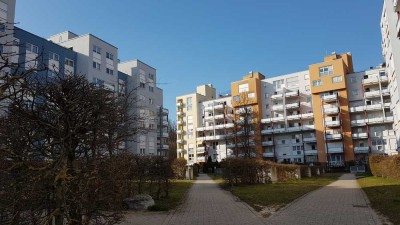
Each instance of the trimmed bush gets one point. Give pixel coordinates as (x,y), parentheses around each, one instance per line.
(179,168)
(384,166)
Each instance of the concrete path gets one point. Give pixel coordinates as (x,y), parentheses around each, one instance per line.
(341,202)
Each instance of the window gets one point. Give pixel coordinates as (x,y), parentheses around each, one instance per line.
(283,141)
(337,79)
(142,85)
(2,27)
(96,49)
(109,55)
(32,48)
(243,88)
(306,77)
(278,84)
(307,87)
(317,83)
(189,103)
(98,81)
(354,92)
(236,98)
(251,95)
(325,71)
(54,56)
(151,76)
(142,151)
(69,62)
(353,79)
(151,89)
(96,65)
(109,71)
(150,101)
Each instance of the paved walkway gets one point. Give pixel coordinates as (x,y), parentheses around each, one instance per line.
(342,202)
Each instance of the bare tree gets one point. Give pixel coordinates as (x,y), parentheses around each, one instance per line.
(172,141)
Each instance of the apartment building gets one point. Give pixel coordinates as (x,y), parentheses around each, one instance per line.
(7,15)
(148,106)
(390,30)
(327,114)
(189,112)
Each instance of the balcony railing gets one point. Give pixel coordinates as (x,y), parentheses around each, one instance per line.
(360,135)
(309,139)
(370,80)
(307,115)
(277,96)
(179,104)
(311,152)
(331,110)
(357,109)
(277,107)
(372,94)
(386,104)
(294,129)
(268,154)
(180,141)
(292,105)
(308,127)
(267,143)
(373,107)
(333,136)
(293,117)
(267,131)
(201,159)
(180,113)
(266,120)
(164,135)
(291,94)
(278,119)
(180,122)
(335,149)
(361,150)
(179,131)
(332,123)
(360,122)
(329,98)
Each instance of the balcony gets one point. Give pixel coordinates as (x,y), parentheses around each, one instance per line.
(268,154)
(372,94)
(389,119)
(370,80)
(333,136)
(384,78)
(277,107)
(375,120)
(309,127)
(291,94)
(267,143)
(335,150)
(385,92)
(331,110)
(165,123)
(311,152)
(180,141)
(310,139)
(360,135)
(267,131)
(181,150)
(164,111)
(266,120)
(180,113)
(277,96)
(374,107)
(200,150)
(180,122)
(292,105)
(307,115)
(357,109)
(293,129)
(332,123)
(165,147)
(179,131)
(278,119)
(293,117)
(201,159)
(386,104)
(179,104)
(360,122)
(360,150)
(329,98)
(164,135)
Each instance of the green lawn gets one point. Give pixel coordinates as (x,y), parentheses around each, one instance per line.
(278,195)
(177,193)
(384,194)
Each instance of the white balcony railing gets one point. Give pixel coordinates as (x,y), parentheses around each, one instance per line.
(311,152)
(360,122)
(180,113)
(267,131)
(360,135)
(279,130)
(267,143)
(294,129)
(331,110)
(293,117)
(292,105)
(375,120)
(309,139)
(179,131)
(373,107)
(357,109)
(329,98)
(389,119)
(332,123)
(180,122)
(277,107)
(308,127)
(307,115)
(278,119)
(386,104)
(277,96)
(361,149)
(370,80)
(266,120)
(292,94)
(179,104)
(268,154)
(335,149)
(180,141)
(371,94)
(333,136)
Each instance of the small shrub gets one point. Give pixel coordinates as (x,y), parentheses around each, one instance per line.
(179,168)
(383,166)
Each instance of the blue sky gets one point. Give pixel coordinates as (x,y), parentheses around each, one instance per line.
(216,41)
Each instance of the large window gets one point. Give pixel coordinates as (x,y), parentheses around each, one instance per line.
(96,49)
(109,56)
(32,48)
(69,62)
(278,84)
(54,56)
(326,70)
(243,88)
(109,71)
(96,65)
(317,83)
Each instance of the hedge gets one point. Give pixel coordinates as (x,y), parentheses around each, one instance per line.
(385,166)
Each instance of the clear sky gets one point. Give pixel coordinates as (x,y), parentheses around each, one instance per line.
(192,42)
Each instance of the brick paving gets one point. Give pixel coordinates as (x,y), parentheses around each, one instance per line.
(342,202)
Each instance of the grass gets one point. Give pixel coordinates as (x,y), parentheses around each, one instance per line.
(177,193)
(279,194)
(384,194)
